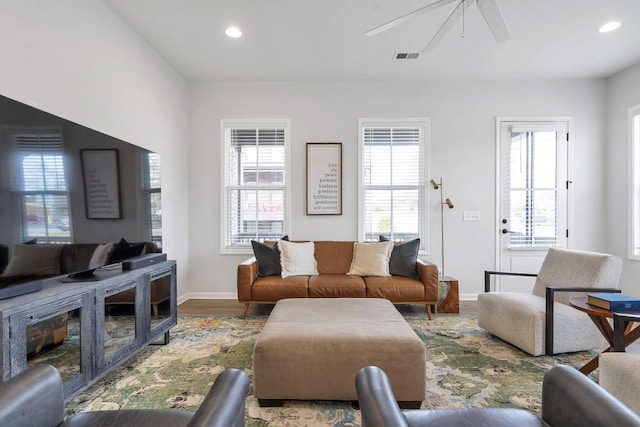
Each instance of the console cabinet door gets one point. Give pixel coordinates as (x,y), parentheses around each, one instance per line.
(162,293)
(59,334)
(120,321)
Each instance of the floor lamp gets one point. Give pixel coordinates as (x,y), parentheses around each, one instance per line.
(449,203)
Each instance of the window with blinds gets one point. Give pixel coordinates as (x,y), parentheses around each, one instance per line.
(634,187)
(39,185)
(393,180)
(255,183)
(152,186)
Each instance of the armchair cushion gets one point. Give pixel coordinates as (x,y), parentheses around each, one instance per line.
(567,268)
(519,319)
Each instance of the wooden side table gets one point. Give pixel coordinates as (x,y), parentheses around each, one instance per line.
(599,317)
(448,295)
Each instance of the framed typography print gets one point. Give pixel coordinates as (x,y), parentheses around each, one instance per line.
(324,178)
(101,178)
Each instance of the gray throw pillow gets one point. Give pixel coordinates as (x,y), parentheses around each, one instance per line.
(268,258)
(403,258)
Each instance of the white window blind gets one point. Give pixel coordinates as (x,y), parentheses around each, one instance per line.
(254,183)
(152,185)
(634,187)
(393,180)
(38,181)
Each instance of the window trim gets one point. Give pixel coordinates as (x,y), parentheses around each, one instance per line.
(425,220)
(634,175)
(254,123)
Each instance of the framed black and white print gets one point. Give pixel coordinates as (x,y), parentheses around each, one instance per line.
(101,178)
(324,178)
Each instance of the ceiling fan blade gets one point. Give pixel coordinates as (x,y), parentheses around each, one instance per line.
(408,16)
(457,12)
(495,20)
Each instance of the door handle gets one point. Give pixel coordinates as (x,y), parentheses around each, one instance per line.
(505,231)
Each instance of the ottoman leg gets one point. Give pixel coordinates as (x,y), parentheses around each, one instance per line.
(268,403)
(409,404)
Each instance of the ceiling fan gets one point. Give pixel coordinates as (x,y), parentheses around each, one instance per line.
(488,8)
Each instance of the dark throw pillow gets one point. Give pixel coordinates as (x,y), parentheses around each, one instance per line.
(268,258)
(403,258)
(124,250)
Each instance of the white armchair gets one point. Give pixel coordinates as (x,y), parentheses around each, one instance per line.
(620,370)
(527,320)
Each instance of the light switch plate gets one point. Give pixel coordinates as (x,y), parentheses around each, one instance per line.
(471,216)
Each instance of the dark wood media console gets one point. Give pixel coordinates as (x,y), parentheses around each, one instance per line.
(87,329)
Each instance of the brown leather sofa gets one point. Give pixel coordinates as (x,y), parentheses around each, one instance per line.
(334,259)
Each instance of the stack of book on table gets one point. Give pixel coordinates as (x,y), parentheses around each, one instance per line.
(613,302)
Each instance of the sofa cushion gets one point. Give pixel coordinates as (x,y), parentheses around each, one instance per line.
(297,259)
(274,288)
(395,288)
(403,258)
(268,256)
(101,255)
(34,260)
(333,257)
(371,259)
(336,286)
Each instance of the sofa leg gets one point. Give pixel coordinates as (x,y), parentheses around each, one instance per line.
(244,311)
(429,311)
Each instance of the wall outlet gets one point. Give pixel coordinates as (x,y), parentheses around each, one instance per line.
(471,216)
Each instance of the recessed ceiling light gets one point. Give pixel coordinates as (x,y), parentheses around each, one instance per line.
(233,32)
(610,26)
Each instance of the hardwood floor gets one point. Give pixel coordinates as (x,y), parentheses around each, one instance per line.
(233,307)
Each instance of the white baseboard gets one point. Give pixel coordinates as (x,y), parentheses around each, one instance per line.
(207,295)
(468,297)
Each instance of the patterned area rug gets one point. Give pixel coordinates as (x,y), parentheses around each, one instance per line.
(466,367)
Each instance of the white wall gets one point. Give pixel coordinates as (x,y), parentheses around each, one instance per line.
(78,60)
(462,118)
(623,90)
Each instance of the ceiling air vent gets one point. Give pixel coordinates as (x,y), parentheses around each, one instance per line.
(406,55)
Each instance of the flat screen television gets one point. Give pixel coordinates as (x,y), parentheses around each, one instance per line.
(61,182)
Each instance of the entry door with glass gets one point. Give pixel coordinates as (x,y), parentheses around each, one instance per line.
(533,196)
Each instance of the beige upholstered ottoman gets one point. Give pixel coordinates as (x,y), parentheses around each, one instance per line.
(311,349)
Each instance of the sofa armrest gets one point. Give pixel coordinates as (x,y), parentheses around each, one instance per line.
(570,398)
(428,275)
(224,405)
(247,273)
(33,397)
